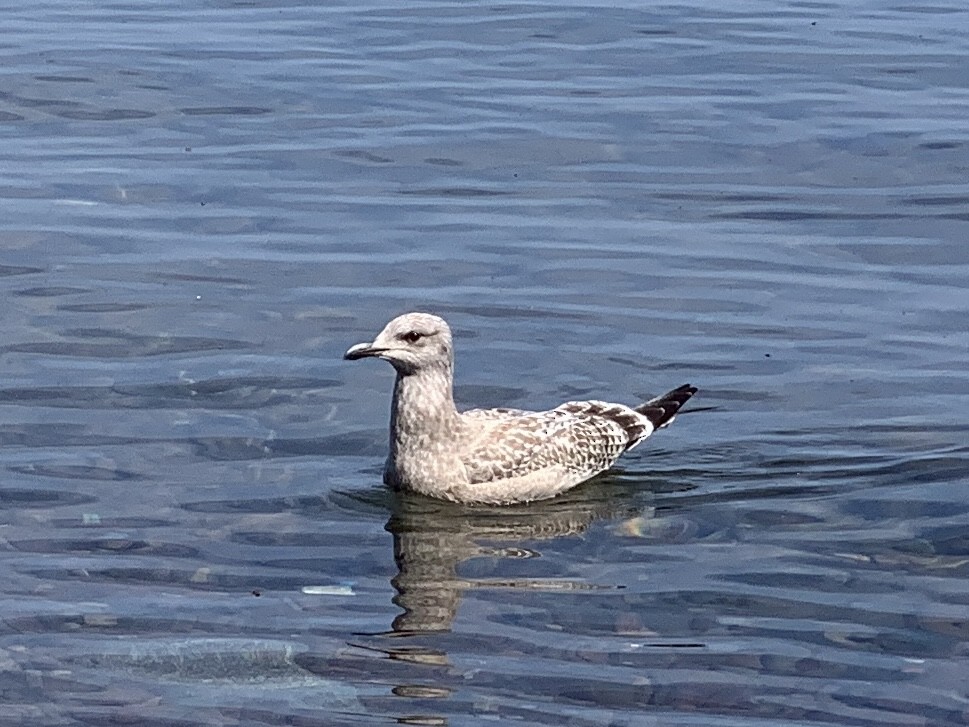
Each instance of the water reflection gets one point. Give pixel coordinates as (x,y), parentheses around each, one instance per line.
(433,539)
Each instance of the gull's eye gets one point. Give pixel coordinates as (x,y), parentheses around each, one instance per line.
(410,337)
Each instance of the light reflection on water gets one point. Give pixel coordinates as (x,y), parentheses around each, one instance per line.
(202,208)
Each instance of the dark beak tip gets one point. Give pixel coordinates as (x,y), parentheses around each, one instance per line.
(361,350)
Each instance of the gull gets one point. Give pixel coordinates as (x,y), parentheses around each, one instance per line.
(494,456)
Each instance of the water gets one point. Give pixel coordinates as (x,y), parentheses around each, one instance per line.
(204,206)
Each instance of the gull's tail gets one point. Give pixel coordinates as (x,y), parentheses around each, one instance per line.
(662,410)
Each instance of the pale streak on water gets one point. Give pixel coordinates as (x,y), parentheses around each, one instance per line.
(203,204)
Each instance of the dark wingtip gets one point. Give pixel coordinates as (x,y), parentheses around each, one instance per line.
(661,410)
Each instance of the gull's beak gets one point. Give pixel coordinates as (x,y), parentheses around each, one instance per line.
(362,350)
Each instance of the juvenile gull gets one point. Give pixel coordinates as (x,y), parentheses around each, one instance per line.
(495,456)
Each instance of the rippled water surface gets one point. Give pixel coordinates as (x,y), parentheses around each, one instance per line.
(202,205)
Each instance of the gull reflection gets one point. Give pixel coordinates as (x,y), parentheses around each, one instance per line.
(432,538)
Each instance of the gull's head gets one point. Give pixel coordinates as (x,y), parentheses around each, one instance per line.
(412,343)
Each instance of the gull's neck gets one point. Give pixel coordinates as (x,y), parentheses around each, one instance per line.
(423,407)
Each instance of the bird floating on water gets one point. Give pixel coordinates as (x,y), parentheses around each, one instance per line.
(497,456)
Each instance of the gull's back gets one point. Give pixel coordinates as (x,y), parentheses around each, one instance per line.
(514,455)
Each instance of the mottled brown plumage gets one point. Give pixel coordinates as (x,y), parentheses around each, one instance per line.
(494,455)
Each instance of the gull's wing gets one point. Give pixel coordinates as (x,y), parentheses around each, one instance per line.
(578,439)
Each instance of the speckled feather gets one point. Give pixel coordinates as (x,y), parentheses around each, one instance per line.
(494,455)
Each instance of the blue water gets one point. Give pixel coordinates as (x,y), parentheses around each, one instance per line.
(203,205)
